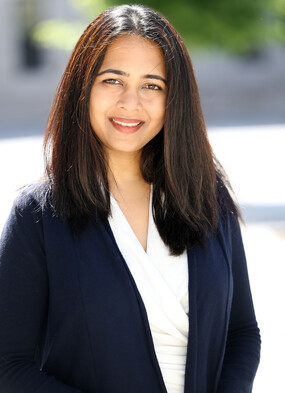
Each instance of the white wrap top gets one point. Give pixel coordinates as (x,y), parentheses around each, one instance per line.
(162,281)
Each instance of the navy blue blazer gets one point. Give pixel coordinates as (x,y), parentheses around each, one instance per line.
(72,319)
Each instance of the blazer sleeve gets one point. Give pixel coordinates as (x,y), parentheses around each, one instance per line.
(242,352)
(23,303)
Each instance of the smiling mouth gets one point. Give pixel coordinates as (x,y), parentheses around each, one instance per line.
(126,126)
(122,123)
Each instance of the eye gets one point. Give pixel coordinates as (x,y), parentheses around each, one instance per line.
(152,86)
(111,81)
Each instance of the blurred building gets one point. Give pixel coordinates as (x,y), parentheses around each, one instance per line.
(28,73)
(234,90)
(242,90)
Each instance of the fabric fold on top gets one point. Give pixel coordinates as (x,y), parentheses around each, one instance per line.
(162,281)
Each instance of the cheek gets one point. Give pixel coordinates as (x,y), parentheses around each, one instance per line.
(95,116)
(155,108)
(97,110)
(98,100)
(95,105)
(159,111)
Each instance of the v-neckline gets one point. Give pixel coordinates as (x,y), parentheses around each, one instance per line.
(114,201)
(134,251)
(144,305)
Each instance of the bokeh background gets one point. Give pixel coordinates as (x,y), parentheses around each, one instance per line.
(238,51)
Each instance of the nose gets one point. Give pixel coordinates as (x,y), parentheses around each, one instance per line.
(129,100)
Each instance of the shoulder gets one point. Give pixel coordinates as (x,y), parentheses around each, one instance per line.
(23,234)
(28,209)
(33,200)
(229,231)
(229,211)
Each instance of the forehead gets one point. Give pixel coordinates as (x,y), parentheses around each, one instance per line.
(134,51)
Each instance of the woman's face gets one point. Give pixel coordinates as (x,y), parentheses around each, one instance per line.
(127,102)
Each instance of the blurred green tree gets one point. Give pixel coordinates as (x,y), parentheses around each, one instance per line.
(239,26)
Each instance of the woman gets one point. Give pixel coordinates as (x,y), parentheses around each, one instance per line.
(124,270)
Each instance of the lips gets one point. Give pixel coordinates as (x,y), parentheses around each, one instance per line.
(126,126)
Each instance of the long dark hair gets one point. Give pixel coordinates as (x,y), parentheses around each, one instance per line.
(189,189)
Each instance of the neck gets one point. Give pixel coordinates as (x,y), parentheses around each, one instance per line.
(126,182)
(124,169)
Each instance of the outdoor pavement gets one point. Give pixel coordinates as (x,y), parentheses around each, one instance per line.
(255,161)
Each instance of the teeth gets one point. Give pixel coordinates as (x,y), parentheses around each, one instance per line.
(126,124)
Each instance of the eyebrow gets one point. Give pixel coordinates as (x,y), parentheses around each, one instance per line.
(123,73)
